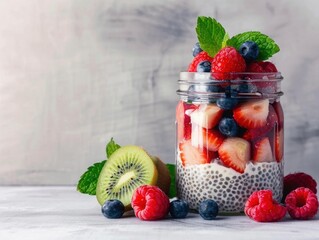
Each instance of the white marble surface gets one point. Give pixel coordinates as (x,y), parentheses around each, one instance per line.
(75,73)
(62,213)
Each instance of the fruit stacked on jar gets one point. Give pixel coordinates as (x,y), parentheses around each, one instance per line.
(229,119)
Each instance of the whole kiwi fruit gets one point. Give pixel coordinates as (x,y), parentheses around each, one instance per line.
(164,179)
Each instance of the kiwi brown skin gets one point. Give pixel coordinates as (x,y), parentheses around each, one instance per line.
(163,179)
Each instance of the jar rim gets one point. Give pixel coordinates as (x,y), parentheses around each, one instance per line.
(203,85)
(232,77)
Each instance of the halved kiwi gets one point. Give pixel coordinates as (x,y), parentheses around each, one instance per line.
(128,168)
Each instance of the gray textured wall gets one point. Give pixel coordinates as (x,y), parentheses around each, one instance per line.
(75,73)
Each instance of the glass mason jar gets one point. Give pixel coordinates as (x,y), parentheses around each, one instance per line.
(229,138)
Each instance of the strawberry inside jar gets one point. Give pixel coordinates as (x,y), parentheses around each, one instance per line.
(229,138)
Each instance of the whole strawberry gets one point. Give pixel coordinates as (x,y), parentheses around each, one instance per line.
(226,61)
(150,203)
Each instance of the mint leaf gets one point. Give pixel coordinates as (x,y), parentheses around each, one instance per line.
(172,172)
(224,43)
(111,147)
(211,35)
(267,46)
(88,181)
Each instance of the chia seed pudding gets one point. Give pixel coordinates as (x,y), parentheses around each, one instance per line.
(227,187)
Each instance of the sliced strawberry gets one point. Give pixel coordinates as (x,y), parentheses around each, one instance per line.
(235,153)
(262,151)
(209,139)
(252,114)
(255,133)
(279,145)
(212,155)
(207,115)
(183,120)
(280,113)
(191,155)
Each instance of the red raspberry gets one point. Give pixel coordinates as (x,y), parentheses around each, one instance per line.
(261,67)
(227,60)
(202,56)
(302,203)
(262,208)
(295,180)
(150,203)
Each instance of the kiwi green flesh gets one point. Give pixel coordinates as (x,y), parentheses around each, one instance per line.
(128,168)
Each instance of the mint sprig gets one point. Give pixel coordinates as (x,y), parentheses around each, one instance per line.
(172,172)
(211,35)
(88,180)
(111,147)
(267,46)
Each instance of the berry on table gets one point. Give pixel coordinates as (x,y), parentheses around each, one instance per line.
(113,209)
(204,66)
(202,56)
(302,204)
(196,49)
(296,180)
(208,209)
(228,127)
(249,50)
(150,203)
(226,61)
(262,208)
(178,208)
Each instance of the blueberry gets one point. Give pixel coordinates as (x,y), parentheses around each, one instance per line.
(113,209)
(231,91)
(178,209)
(196,49)
(227,103)
(208,209)
(247,88)
(228,127)
(204,66)
(249,50)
